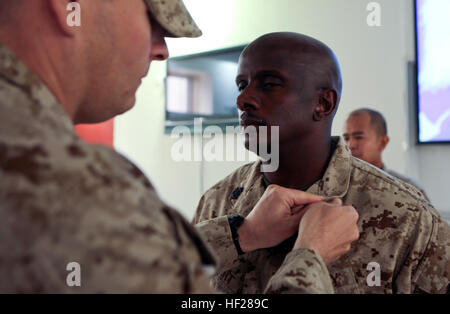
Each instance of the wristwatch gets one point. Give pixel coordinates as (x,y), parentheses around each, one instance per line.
(235,222)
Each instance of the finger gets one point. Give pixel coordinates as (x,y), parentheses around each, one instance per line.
(297,198)
(297,209)
(299,213)
(335,201)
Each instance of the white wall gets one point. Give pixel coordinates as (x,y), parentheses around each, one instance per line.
(374,67)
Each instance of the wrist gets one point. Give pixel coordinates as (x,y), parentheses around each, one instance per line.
(246,237)
(301,245)
(235,223)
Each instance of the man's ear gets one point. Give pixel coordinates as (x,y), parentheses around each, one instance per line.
(66,15)
(326,104)
(384,140)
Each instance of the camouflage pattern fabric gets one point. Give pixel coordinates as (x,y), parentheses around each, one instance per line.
(303,271)
(63,200)
(407,180)
(173,16)
(400,231)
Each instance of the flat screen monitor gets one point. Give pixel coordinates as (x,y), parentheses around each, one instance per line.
(203,86)
(433,68)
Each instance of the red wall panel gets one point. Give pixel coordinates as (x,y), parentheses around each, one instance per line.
(100,133)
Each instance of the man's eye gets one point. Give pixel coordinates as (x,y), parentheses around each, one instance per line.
(270,85)
(241,86)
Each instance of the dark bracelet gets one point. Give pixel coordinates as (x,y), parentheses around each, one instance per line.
(235,222)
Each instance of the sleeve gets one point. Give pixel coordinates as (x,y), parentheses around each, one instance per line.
(165,255)
(217,235)
(432,274)
(302,272)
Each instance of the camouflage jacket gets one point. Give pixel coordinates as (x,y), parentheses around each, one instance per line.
(399,230)
(407,180)
(63,200)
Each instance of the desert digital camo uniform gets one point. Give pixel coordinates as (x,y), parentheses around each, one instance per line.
(407,180)
(302,271)
(399,230)
(63,200)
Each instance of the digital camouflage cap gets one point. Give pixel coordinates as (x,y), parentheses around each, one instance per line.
(174,17)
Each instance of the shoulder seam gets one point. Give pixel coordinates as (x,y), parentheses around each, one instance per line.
(387,181)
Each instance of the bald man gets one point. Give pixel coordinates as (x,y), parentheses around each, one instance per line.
(366,137)
(293,82)
(80,218)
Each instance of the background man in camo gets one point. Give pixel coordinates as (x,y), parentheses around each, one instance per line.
(294,82)
(63,201)
(366,137)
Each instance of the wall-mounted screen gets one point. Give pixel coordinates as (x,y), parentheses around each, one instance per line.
(433,58)
(203,86)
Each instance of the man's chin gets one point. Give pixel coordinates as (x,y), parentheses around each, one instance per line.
(259,148)
(127,108)
(129,104)
(94,119)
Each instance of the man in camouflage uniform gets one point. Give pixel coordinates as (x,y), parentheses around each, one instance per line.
(63,200)
(293,81)
(366,137)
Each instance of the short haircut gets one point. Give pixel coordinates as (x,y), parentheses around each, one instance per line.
(377,120)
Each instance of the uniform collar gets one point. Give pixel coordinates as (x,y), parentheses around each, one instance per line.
(44,103)
(334,183)
(336,180)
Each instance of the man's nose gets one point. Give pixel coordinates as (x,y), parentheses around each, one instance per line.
(159,51)
(351,143)
(247,101)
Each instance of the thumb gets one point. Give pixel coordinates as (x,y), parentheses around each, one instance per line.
(298,209)
(335,201)
(298,212)
(302,198)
